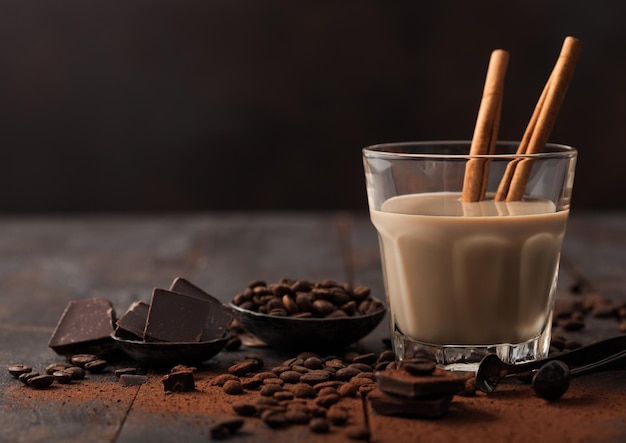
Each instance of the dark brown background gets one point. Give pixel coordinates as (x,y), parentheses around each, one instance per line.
(254,105)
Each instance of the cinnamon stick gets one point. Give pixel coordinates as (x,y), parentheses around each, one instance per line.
(539,130)
(486,129)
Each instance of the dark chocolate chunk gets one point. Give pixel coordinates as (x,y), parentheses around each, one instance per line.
(220,316)
(175,317)
(133,321)
(402,383)
(430,407)
(178,381)
(85,325)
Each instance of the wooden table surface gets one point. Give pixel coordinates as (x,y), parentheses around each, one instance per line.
(47,261)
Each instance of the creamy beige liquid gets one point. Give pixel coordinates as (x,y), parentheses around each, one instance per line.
(469,273)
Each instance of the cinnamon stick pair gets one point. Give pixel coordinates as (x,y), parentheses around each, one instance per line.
(535,137)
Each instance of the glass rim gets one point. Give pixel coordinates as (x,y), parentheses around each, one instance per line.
(391,151)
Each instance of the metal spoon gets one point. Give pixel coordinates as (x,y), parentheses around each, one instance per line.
(604,354)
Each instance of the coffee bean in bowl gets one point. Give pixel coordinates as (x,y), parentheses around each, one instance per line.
(296,314)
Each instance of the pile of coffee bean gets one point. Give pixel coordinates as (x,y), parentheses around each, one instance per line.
(305,299)
(570,312)
(59,372)
(307,389)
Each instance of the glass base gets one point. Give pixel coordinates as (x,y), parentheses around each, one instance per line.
(466,358)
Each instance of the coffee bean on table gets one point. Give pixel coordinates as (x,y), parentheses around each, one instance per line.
(41,381)
(303,390)
(337,415)
(243,367)
(297,416)
(62,377)
(270,390)
(244,409)
(358,433)
(53,367)
(274,419)
(290,376)
(27,376)
(96,366)
(226,428)
(233,387)
(314,377)
(17,370)
(81,359)
(219,380)
(319,425)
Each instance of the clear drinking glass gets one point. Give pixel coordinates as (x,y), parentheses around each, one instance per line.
(466,279)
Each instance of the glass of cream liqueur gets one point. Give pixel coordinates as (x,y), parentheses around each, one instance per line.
(464,279)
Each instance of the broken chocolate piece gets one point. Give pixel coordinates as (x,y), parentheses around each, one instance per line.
(401,383)
(429,407)
(178,381)
(220,316)
(84,327)
(133,321)
(176,317)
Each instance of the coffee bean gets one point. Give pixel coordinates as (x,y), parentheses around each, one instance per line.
(219,380)
(283,395)
(27,376)
(256,283)
(327,400)
(244,409)
(335,363)
(62,377)
(337,415)
(290,376)
(303,315)
(41,381)
(53,367)
(361,292)
(347,373)
(297,417)
(81,359)
(233,344)
(551,381)
(225,428)
(319,425)
(270,390)
(327,384)
(289,304)
(277,370)
(358,433)
(96,366)
(313,362)
(572,325)
(252,383)
(368,375)
(303,390)
(348,390)
(301,286)
(361,367)
(349,308)
(470,388)
(233,387)
(323,307)
(315,376)
(368,359)
(327,390)
(273,381)
(274,419)
(243,367)
(337,314)
(300,369)
(17,370)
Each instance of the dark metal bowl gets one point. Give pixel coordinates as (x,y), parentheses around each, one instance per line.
(308,333)
(167,353)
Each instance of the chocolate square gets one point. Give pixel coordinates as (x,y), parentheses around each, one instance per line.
(133,322)
(401,383)
(84,327)
(176,317)
(220,316)
(429,407)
